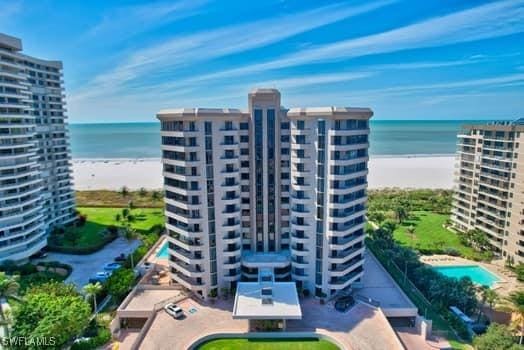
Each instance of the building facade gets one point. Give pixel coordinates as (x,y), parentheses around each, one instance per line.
(36,192)
(266,188)
(489,192)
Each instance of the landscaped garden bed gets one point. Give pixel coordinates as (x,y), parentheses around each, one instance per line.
(268,344)
(97,227)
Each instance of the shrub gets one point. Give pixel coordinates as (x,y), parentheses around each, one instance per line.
(103,336)
(26,269)
(112,229)
(81,220)
(451,251)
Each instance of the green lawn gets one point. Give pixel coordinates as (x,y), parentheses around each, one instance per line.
(98,219)
(430,234)
(268,344)
(145,218)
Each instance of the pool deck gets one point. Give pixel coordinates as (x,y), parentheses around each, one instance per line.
(507,280)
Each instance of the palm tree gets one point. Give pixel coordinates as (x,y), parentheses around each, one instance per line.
(411,231)
(93,289)
(515,304)
(8,289)
(124,191)
(401,213)
(155,195)
(130,234)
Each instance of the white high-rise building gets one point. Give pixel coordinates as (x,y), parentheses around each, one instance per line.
(266,188)
(489,185)
(36,191)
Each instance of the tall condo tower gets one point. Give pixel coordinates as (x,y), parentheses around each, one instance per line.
(36,193)
(267,188)
(489,185)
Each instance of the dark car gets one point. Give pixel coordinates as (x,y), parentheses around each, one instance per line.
(120,258)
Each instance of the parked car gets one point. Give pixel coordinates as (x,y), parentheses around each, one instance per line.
(173,310)
(121,258)
(112,266)
(101,277)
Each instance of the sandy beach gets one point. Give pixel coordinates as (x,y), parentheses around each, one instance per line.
(404,172)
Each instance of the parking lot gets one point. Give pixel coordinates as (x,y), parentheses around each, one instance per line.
(85,266)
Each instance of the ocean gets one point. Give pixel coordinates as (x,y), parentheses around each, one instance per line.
(142,140)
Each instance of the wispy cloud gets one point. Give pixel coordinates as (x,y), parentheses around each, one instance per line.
(186,50)
(482,22)
(126,21)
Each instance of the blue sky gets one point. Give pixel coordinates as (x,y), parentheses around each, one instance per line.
(125,60)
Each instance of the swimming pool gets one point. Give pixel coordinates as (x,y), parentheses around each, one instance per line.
(478,274)
(162,252)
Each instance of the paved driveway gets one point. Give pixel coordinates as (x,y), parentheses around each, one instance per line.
(85,266)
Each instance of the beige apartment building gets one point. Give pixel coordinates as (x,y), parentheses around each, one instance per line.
(36,190)
(266,189)
(489,193)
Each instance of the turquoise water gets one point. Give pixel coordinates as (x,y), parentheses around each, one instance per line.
(142,140)
(478,274)
(163,253)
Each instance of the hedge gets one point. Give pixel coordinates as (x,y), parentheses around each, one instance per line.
(84,250)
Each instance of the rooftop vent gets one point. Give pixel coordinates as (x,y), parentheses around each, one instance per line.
(267,295)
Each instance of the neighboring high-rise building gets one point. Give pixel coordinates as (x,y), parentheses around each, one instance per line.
(489,193)
(36,191)
(266,188)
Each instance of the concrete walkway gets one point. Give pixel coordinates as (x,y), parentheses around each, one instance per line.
(85,266)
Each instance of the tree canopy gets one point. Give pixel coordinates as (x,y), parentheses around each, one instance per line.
(52,310)
(497,337)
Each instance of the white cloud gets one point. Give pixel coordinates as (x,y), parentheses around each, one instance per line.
(186,50)
(482,22)
(128,20)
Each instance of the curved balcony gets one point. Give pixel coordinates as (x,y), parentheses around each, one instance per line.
(188,270)
(235,251)
(232,239)
(352,161)
(346,255)
(348,147)
(232,227)
(299,238)
(185,256)
(300,187)
(348,132)
(347,189)
(346,242)
(181,177)
(299,277)
(186,244)
(300,200)
(349,216)
(231,213)
(231,278)
(188,282)
(183,218)
(298,264)
(343,282)
(226,264)
(346,231)
(301,251)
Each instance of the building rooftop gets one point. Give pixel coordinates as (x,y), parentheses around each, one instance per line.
(277,300)
(266,259)
(10,42)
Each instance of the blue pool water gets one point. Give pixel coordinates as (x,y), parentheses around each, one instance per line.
(478,274)
(163,253)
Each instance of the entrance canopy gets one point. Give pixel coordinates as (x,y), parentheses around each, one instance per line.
(267,301)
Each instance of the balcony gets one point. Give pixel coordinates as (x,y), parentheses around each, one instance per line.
(188,282)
